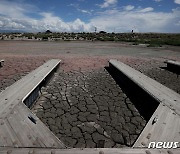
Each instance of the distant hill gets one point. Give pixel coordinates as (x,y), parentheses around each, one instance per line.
(11,31)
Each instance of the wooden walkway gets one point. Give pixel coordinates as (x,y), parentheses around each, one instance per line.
(19,127)
(173,65)
(85,151)
(164,125)
(172,62)
(21,132)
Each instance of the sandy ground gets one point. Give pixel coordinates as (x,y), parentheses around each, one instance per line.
(22,57)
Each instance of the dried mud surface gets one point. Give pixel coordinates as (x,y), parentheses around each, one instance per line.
(83,105)
(88,109)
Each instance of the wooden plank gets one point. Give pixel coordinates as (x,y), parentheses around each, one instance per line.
(167,127)
(9,97)
(172,62)
(20,130)
(16,128)
(173,66)
(87,151)
(25,133)
(159,92)
(42,134)
(4,134)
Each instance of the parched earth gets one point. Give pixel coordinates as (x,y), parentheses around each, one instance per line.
(157,70)
(88,109)
(83,105)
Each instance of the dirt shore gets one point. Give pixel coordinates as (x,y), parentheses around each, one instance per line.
(22,57)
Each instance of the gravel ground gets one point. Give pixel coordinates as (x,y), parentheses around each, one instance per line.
(15,67)
(157,70)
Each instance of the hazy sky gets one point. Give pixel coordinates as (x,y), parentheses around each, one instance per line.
(84,15)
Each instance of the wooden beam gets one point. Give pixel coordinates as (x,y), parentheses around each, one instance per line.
(165,122)
(158,91)
(19,127)
(21,89)
(87,151)
(173,65)
(162,127)
(172,62)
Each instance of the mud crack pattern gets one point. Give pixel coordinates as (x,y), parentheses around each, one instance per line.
(88,109)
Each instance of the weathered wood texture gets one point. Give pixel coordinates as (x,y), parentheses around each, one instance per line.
(173,65)
(164,125)
(19,127)
(17,92)
(86,151)
(172,62)
(158,91)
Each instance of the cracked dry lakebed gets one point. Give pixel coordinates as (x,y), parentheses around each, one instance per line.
(88,109)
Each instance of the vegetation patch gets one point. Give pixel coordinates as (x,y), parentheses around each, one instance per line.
(151,39)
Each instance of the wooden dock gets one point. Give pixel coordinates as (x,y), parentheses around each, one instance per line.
(172,62)
(164,125)
(21,132)
(85,151)
(173,65)
(19,127)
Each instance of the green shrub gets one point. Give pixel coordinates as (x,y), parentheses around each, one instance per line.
(154,45)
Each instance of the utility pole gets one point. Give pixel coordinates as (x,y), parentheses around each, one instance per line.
(95,29)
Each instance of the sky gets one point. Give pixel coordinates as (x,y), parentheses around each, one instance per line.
(161,16)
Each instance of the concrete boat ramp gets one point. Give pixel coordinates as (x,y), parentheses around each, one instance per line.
(21,131)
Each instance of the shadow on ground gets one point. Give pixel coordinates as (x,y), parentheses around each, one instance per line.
(173,70)
(145,104)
